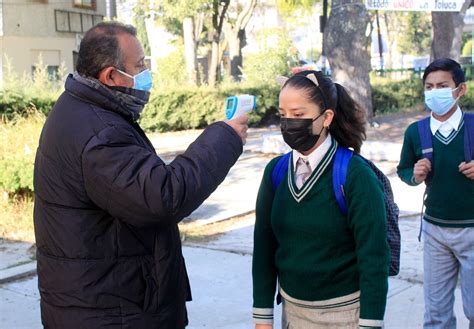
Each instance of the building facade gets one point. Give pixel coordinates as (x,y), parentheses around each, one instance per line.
(45,30)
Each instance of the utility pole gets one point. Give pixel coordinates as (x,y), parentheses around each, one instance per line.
(111,9)
(379,37)
(322,24)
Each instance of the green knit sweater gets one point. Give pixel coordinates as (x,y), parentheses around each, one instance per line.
(450,197)
(314,251)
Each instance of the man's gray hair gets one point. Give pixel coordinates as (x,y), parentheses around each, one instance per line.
(100,48)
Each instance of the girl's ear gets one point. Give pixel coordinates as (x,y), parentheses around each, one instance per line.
(328,117)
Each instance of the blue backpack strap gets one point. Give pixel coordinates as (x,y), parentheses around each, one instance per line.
(339,173)
(279,170)
(426,138)
(468,136)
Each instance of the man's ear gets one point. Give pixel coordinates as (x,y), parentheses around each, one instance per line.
(108,76)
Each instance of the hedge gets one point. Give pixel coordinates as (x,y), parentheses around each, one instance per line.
(393,96)
(19,103)
(198,107)
(190,108)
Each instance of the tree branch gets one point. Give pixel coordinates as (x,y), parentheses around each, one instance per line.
(245,15)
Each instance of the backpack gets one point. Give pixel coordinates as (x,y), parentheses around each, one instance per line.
(426,138)
(341,163)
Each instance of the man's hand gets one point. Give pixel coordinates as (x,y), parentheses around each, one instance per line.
(467,169)
(240,125)
(263,326)
(421,170)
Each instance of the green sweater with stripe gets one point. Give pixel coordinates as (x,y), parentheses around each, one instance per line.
(303,240)
(450,196)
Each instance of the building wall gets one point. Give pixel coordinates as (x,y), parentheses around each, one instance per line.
(30,28)
(24,52)
(36,18)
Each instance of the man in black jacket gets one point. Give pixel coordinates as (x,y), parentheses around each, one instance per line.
(107,207)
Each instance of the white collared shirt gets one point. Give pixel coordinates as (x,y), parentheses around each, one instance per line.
(446,127)
(315,157)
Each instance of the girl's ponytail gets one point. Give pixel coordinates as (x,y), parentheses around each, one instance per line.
(348,125)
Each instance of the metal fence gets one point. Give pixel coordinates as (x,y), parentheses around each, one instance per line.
(411,73)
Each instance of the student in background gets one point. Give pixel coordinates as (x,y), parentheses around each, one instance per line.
(435,151)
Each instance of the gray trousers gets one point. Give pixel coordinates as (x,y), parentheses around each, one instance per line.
(446,253)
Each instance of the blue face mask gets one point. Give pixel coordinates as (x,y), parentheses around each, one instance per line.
(141,81)
(440,101)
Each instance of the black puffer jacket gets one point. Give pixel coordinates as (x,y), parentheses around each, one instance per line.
(106,214)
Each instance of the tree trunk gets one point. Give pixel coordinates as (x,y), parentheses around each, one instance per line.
(347,50)
(217,24)
(447,33)
(443,34)
(214,63)
(235,54)
(458,30)
(190,51)
(235,34)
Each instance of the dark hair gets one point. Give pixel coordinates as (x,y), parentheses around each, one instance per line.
(448,65)
(348,125)
(100,48)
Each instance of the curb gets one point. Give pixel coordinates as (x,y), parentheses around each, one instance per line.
(17,272)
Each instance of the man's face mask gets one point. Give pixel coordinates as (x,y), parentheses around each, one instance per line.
(141,81)
(440,101)
(298,133)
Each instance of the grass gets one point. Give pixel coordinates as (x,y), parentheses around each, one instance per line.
(16,218)
(20,135)
(19,138)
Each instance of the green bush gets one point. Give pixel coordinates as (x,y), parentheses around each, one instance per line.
(21,103)
(20,95)
(272,59)
(193,108)
(467,48)
(171,70)
(17,152)
(16,174)
(467,101)
(394,96)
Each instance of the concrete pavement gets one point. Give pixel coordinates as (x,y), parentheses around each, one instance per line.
(222,292)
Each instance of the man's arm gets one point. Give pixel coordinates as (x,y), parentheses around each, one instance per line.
(133,184)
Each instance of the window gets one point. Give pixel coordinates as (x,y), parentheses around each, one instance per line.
(51,70)
(87,4)
(75,22)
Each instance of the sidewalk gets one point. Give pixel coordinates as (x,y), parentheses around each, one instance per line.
(222,296)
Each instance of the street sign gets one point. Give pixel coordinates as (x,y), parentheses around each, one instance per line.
(415,5)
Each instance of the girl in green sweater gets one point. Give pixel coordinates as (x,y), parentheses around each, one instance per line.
(330,270)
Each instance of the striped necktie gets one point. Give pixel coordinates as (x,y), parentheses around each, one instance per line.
(303,171)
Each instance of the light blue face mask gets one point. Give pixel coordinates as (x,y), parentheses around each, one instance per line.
(141,81)
(440,101)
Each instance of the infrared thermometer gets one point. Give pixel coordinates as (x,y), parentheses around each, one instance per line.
(235,106)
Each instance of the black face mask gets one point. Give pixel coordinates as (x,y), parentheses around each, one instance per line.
(298,133)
